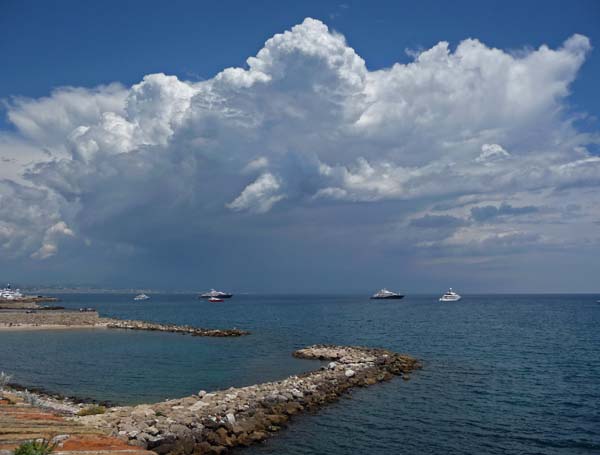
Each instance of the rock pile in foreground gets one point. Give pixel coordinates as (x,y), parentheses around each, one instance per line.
(212,423)
(185,329)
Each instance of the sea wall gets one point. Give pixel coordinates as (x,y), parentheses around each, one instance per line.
(41,318)
(213,423)
(29,299)
(173,328)
(17,305)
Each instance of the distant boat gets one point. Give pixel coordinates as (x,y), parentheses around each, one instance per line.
(450,296)
(215,299)
(141,297)
(216,294)
(385,294)
(9,294)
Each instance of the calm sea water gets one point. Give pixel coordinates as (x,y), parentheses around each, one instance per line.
(502,373)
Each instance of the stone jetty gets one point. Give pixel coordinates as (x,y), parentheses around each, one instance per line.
(60,318)
(183,329)
(26,302)
(213,423)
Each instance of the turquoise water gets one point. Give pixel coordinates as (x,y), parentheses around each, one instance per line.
(502,374)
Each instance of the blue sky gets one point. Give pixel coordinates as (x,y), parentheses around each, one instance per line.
(51,44)
(326,163)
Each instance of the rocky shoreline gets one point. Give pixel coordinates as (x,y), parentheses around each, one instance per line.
(60,318)
(26,303)
(213,423)
(46,399)
(173,328)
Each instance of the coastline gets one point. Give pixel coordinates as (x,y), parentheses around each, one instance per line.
(215,422)
(29,327)
(207,423)
(62,319)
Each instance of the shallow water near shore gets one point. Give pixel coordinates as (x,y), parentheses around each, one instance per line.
(502,374)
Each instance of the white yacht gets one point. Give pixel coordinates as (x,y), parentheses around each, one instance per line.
(8,293)
(450,296)
(385,294)
(141,297)
(216,294)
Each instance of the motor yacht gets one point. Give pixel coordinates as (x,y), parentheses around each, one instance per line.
(385,294)
(450,296)
(141,297)
(8,293)
(216,294)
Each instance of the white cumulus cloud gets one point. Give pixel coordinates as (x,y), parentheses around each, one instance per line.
(305,125)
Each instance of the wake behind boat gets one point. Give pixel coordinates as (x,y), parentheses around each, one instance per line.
(385,294)
(216,294)
(450,296)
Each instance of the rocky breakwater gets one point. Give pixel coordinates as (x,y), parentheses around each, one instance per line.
(184,329)
(213,423)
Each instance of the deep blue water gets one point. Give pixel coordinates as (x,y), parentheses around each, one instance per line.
(502,374)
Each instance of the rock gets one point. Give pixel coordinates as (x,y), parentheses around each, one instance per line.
(332,365)
(164,449)
(198,405)
(202,393)
(60,438)
(277,419)
(296,393)
(349,373)
(230,418)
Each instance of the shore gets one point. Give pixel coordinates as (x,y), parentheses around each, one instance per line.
(213,423)
(61,319)
(27,327)
(29,302)
(25,416)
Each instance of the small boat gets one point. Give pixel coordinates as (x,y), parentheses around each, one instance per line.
(385,294)
(141,297)
(216,294)
(215,299)
(450,296)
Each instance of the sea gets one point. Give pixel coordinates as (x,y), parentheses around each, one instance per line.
(502,374)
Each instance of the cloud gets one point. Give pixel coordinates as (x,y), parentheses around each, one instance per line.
(491,153)
(489,212)
(259,196)
(51,238)
(437,221)
(304,134)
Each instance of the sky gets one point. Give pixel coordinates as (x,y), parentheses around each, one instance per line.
(301,146)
